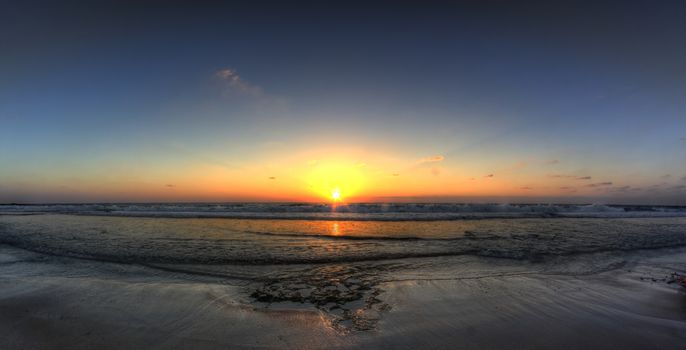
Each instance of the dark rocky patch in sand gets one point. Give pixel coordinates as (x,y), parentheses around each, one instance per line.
(348,294)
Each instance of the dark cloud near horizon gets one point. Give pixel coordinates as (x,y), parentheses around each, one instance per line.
(600,184)
(622,189)
(560,176)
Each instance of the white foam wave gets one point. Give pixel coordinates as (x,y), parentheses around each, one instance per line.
(358,211)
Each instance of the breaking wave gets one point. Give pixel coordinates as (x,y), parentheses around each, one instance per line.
(357,211)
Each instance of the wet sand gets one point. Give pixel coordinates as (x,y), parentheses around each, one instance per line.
(48,302)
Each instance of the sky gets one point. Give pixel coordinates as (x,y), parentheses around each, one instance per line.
(149,101)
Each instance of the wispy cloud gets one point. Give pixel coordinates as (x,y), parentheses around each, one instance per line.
(600,184)
(489,175)
(272,178)
(622,189)
(551,162)
(181,149)
(273,144)
(431,159)
(666,176)
(237,83)
(516,166)
(560,176)
(170,185)
(526,188)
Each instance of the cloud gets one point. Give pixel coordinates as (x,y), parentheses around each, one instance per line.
(272,178)
(273,144)
(622,189)
(170,185)
(559,176)
(436,171)
(679,187)
(198,156)
(683,178)
(517,166)
(526,188)
(396,174)
(431,159)
(237,83)
(600,184)
(360,165)
(551,162)
(566,188)
(489,175)
(666,176)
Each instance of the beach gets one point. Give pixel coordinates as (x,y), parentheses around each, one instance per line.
(66,283)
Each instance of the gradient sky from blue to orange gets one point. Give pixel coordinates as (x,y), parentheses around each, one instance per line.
(164,101)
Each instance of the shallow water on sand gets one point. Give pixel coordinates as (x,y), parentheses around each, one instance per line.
(339,267)
(267,242)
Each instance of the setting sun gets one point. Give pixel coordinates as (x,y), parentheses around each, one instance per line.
(336,195)
(334,179)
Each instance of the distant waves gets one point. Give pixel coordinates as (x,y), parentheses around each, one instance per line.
(357,211)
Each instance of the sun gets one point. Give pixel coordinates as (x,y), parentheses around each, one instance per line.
(335,181)
(336,194)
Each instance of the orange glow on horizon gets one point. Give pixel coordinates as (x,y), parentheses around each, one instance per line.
(337,175)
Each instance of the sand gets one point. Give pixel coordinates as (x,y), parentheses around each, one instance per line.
(59,303)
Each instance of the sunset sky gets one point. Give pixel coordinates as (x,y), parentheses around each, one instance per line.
(476,101)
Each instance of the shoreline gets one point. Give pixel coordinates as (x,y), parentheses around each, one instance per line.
(66,303)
